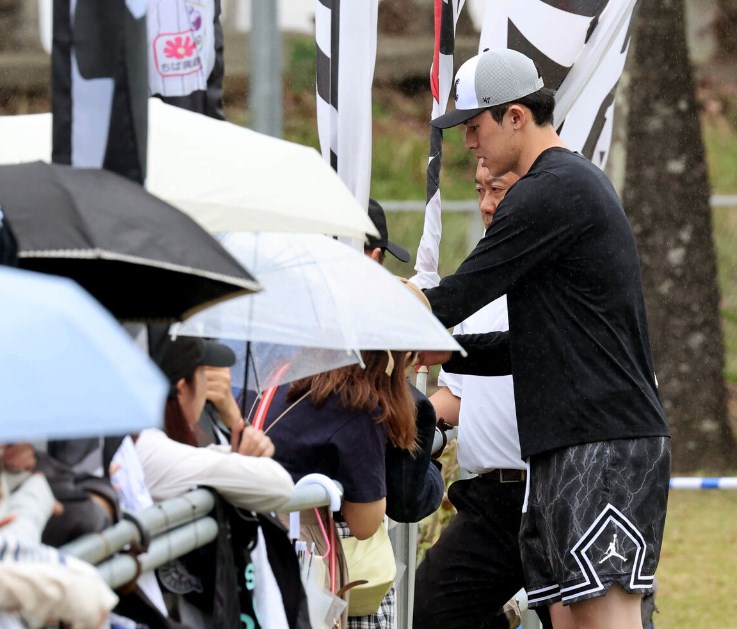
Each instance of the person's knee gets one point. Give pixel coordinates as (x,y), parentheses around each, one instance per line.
(561,616)
(617,609)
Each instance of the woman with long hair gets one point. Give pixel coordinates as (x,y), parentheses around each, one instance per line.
(338,423)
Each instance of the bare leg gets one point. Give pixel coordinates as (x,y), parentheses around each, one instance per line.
(617,609)
(561,616)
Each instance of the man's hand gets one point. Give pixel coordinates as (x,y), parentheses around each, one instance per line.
(221,395)
(250,441)
(433,358)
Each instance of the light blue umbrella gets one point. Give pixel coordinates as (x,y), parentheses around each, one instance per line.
(67,367)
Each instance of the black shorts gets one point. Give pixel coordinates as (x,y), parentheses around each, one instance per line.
(595,516)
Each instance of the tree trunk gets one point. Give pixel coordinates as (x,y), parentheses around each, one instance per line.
(667,199)
(9,23)
(416,17)
(405,17)
(726,28)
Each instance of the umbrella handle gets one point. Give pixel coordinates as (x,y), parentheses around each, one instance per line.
(334,493)
(259,417)
(262,409)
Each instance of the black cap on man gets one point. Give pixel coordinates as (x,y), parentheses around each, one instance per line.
(376,214)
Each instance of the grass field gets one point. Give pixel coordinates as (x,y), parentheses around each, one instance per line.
(696,574)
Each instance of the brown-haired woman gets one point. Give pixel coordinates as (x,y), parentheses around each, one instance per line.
(338,423)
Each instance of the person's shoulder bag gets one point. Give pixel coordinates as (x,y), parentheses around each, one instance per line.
(370,563)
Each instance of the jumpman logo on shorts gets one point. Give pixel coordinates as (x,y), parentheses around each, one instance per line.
(611,551)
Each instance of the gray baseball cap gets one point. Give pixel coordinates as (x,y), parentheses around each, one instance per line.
(495,77)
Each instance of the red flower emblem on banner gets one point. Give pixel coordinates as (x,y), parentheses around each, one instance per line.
(179,48)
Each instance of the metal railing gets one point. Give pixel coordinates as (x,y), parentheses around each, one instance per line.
(167,530)
(177,526)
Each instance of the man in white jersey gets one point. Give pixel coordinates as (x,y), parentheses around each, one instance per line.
(475,567)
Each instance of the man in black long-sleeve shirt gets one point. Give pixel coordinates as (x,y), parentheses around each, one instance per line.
(589,417)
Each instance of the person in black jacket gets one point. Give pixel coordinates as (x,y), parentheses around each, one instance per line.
(470,576)
(589,417)
(415,486)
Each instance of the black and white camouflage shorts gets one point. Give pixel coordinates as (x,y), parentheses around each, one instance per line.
(595,516)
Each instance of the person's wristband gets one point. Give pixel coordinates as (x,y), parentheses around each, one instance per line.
(441,430)
(444,425)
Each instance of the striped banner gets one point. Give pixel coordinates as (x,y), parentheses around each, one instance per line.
(345,36)
(99,87)
(441,82)
(584,66)
(579,46)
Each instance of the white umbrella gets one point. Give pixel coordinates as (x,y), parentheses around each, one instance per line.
(227,177)
(68,368)
(321,294)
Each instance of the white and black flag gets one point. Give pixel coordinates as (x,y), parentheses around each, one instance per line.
(580,47)
(441,82)
(99,85)
(345,37)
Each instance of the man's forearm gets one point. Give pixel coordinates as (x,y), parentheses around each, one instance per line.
(447,406)
(488,355)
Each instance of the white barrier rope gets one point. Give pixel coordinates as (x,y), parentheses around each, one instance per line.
(696,482)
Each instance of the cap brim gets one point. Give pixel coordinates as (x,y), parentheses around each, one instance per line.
(454,118)
(373,243)
(218,355)
(400,253)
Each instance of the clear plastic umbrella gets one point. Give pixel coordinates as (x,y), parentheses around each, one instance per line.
(322,301)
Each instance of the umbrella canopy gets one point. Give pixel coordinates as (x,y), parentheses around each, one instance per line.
(140,257)
(319,293)
(68,368)
(259,366)
(227,177)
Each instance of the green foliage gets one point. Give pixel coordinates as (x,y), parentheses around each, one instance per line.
(399,166)
(300,69)
(720,141)
(725,240)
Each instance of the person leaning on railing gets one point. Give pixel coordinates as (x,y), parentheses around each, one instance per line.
(172,463)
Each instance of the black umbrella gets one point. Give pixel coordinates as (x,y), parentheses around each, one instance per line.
(140,257)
